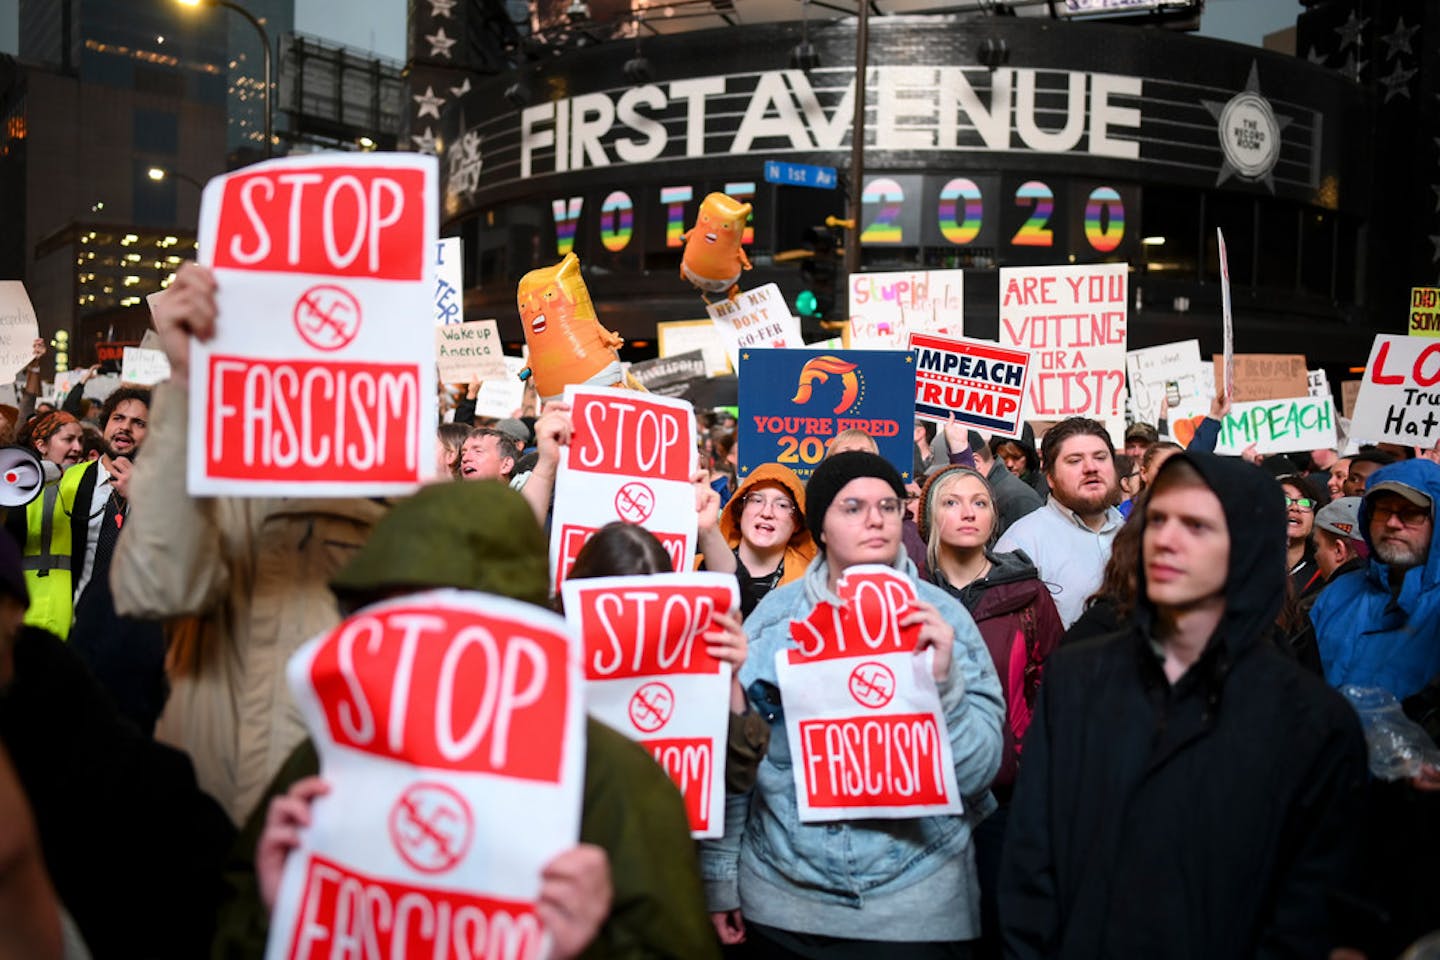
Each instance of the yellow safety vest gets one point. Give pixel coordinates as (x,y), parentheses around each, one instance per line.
(49,574)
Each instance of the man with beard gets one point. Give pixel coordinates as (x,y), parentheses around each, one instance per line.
(1069,539)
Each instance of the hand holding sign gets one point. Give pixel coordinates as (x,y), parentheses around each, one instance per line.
(287,816)
(934,634)
(183,310)
(575,895)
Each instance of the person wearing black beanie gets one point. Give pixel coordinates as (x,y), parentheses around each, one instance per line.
(834,474)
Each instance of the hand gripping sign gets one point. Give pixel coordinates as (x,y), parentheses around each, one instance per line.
(862,712)
(443,720)
(630,458)
(647,675)
(320,380)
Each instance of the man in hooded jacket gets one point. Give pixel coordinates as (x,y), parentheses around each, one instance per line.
(1187,791)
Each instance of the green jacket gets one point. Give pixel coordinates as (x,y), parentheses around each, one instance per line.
(630,808)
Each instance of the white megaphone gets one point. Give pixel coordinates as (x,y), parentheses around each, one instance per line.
(23,474)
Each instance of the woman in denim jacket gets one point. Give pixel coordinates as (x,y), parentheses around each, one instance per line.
(863,888)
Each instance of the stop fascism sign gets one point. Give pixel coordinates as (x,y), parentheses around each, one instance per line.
(320,379)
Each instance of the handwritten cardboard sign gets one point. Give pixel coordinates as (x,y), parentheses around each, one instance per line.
(145,367)
(1072,319)
(792,402)
(1274,426)
(630,458)
(1266,376)
(755,318)
(885,308)
(449,287)
(443,720)
(466,350)
(1425,312)
(1169,375)
(982,384)
(867,733)
(500,397)
(315,383)
(1399,398)
(648,676)
(1349,391)
(683,336)
(18,328)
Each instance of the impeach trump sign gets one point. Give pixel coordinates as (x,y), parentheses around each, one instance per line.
(862,711)
(982,384)
(316,382)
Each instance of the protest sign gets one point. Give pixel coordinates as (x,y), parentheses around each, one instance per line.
(18,328)
(755,318)
(113,351)
(630,458)
(1425,312)
(1349,390)
(317,382)
(793,401)
(100,386)
(885,308)
(1399,399)
(982,384)
(502,396)
(648,676)
(449,287)
(682,336)
(443,720)
(1226,379)
(1274,426)
(868,736)
(145,367)
(1172,373)
(467,350)
(1072,319)
(669,376)
(1319,383)
(1265,376)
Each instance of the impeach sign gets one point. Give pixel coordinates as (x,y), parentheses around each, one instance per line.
(862,711)
(648,675)
(981,384)
(1273,426)
(316,382)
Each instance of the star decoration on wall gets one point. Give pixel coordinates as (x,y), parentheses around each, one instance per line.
(1316,57)
(428,105)
(440,44)
(1354,67)
(1398,40)
(461,90)
(1351,29)
(441,8)
(1397,82)
(1217,110)
(425,141)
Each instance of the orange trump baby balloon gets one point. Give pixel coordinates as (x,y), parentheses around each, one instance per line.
(714,258)
(567,342)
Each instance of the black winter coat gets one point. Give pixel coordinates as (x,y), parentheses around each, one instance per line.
(1210,819)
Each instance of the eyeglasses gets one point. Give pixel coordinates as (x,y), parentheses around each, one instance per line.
(1304,503)
(1410,516)
(779,505)
(854,510)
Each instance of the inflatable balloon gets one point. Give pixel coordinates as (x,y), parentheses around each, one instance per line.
(713,257)
(566,340)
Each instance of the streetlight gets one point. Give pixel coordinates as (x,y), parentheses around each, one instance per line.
(264,41)
(158,174)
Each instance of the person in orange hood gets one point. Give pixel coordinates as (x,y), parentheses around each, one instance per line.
(761,535)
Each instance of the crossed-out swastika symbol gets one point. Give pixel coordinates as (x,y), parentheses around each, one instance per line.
(872,685)
(327,317)
(652,706)
(431,827)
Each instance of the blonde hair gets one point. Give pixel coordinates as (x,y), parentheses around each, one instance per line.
(845,438)
(934,490)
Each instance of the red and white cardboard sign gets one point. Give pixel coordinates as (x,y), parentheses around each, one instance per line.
(862,712)
(320,380)
(647,675)
(443,720)
(1399,399)
(630,458)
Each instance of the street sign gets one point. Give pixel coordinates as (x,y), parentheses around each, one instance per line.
(800,175)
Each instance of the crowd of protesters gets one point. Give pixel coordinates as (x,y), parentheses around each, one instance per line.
(1138,656)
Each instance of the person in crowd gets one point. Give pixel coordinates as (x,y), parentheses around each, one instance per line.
(133,847)
(867,888)
(1187,790)
(1335,477)
(1154,458)
(1069,540)
(1127,473)
(1019,456)
(1301,502)
(1382,628)
(1002,592)
(30,924)
(760,535)
(450,439)
(1432,453)
(1362,464)
(925,454)
(849,440)
(1317,471)
(722,460)
(1338,540)
(1114,600)
(488,454)
(484,537)
(55,436)
(1140,437)
(1014,498)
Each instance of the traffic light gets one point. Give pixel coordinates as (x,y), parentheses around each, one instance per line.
(817,275)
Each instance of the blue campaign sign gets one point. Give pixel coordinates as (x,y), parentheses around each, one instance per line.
(792,402)
(800,175)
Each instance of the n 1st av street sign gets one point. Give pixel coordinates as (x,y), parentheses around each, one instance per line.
(800,175)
